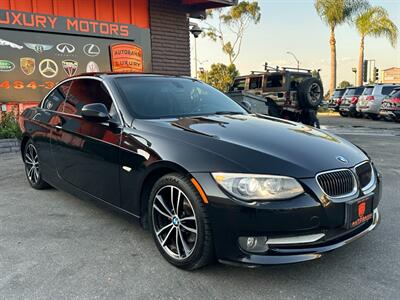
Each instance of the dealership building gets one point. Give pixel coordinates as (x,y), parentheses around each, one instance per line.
(45,41)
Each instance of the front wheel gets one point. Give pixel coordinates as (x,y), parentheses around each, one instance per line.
(32,167)
(343,113)
(179,223)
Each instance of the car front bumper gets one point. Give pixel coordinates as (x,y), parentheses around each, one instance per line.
(297,230)
(304,252)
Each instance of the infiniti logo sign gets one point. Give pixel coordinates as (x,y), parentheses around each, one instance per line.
(65,48)
(342,159)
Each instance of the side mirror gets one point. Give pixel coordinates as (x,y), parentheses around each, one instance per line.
(95,112)
(246,105)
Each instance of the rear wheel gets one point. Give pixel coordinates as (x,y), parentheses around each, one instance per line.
(343,113)
(32,167)
(179,223)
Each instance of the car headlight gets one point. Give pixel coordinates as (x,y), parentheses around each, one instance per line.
(258,187)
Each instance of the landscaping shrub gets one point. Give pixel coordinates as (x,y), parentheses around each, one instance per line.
(9,127)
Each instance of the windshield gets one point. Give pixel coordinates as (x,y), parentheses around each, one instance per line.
(170,97)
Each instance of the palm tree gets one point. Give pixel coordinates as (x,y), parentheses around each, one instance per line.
(374,22)
(334,13)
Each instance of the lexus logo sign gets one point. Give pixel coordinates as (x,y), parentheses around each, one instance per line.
(65,48)
(91,50)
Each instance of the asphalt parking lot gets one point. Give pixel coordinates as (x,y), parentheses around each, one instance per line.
(55,246)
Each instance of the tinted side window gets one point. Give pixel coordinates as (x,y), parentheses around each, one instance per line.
(386,90)
(338,93)
(349,92)
(274,81)
(86,91)
(255,83)
(238,85)
(55,99)
(395,94)
(359,91)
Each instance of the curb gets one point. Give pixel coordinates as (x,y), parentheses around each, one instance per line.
(9,146)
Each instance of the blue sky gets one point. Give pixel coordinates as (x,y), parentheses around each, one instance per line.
(293,25)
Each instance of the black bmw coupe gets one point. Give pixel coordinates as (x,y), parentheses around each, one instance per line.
(206,177)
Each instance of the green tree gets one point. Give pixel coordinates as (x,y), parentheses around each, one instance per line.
(315,73)
(335,13)
(220,76)
(344,84)
(374,22)
(231,26)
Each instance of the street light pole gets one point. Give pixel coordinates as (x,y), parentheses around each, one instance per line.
(195,57)
(294,56)
(355,76)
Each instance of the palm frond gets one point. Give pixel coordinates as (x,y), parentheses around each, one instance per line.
(336,12)
(376,22)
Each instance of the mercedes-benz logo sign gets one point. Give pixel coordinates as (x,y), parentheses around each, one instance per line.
(48,68)
(342,159)
(65,48)
(91,50)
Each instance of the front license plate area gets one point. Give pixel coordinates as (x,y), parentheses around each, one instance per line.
(358,212)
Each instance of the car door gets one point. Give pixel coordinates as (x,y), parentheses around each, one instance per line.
(86,153)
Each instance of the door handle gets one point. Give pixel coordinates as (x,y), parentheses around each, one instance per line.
(58,127)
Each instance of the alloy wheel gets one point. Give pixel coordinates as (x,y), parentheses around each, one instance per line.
(32,164)
(174,222)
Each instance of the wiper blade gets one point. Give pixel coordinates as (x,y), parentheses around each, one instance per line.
(228,113)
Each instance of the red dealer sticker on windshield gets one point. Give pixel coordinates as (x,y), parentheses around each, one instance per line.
(126,58)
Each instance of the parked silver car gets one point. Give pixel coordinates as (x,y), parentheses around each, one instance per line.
(347,106)
(370,102)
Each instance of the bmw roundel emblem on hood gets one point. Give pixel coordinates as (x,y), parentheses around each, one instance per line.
(342,159)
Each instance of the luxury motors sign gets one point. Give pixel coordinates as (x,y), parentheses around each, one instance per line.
(58,24)
(38,50)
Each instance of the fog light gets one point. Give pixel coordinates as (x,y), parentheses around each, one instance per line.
(253,244)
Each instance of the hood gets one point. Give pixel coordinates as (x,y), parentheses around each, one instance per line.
(265,144)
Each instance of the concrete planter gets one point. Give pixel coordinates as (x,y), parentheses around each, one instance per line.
(9,145)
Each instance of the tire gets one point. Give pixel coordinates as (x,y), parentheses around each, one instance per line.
(185,244)
(375,117)
(32,167)
(311,93)
(359,115)
(343,114)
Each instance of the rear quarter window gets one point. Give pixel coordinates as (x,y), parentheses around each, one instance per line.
(55,100)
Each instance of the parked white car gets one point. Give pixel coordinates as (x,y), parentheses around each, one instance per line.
(371,100)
